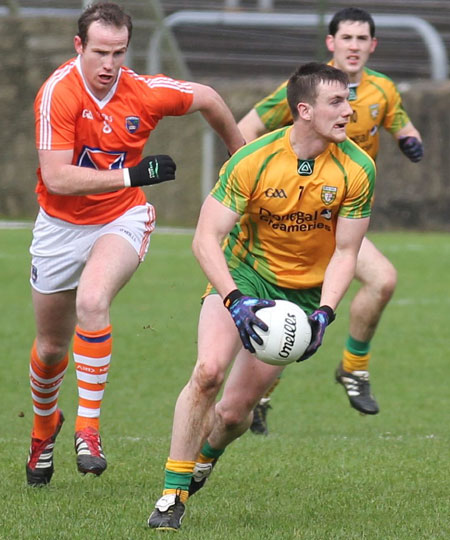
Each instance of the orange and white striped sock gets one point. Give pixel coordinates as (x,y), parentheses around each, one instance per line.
(92,356)
(45,382)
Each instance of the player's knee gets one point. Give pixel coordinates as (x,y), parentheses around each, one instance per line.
(388,283)
(381,284)
(91,306)
(207,378)
(231,417)
(51,351)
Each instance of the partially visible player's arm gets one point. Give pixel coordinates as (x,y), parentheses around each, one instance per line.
(341,268)
(338,276)
(214,223)
(410,142)
(62,178)
(252,126)
(408,131)
(218,115)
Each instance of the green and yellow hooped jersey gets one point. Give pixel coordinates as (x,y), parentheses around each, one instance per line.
(375,101)
(290,207)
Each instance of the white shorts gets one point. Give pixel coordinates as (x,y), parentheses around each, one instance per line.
(60,249)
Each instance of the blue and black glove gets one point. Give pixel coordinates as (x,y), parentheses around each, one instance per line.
(318,320)
(150,170)
(242,309)
(412,148)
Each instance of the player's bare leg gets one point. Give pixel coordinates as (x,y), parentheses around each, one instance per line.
(110,265)
(218,343)
(234,410)
(248,379)
(378,279)
(55,322)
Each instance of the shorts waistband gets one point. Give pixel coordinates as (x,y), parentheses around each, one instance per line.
(66,224)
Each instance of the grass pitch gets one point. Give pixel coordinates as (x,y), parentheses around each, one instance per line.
(323,473)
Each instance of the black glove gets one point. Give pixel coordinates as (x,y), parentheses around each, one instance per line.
(412,148)
(152,170)
(318,320)
(242,309)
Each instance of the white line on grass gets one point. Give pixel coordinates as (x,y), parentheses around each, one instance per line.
(16,224)
(419,301)
(29,225)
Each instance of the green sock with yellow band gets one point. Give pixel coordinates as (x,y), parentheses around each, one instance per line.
(177,477)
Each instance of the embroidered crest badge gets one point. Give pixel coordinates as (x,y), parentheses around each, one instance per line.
(374,110)
(132,123)
(328,194)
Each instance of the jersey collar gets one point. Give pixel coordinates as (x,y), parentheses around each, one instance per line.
(100,102)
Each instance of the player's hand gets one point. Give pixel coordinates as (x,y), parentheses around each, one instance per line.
(151,170)
(318,320)
(412,148)
(242,309)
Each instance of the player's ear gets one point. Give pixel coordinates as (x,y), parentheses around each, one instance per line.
(373,45)
(78,44)
(329,41)
(304,110)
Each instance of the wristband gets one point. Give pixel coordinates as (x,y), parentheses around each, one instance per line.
(330,313)
(126,178)
(231,297)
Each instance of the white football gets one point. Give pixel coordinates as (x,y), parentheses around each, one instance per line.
(288,336)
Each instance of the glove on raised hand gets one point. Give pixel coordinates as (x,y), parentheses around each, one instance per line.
(242,309)
(318,320)
(150,170)
(412,148)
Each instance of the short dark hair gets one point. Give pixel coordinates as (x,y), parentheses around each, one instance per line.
(351,14)
(107,13)
(303,83)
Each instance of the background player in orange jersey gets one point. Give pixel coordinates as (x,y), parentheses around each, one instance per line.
(93,118)
(269,253)
(376,103)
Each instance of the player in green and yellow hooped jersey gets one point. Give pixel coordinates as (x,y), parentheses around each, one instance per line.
(293,208)
(376,104)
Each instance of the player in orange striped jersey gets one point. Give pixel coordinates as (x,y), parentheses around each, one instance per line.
(294,206)
(376,104)
(93,118)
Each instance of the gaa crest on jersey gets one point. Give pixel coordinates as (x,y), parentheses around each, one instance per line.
(374,110)
(132,123)
(87,114)
(305,167)
(328,194)
(274,193)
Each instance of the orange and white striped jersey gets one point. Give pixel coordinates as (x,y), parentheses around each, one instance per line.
(104,134)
